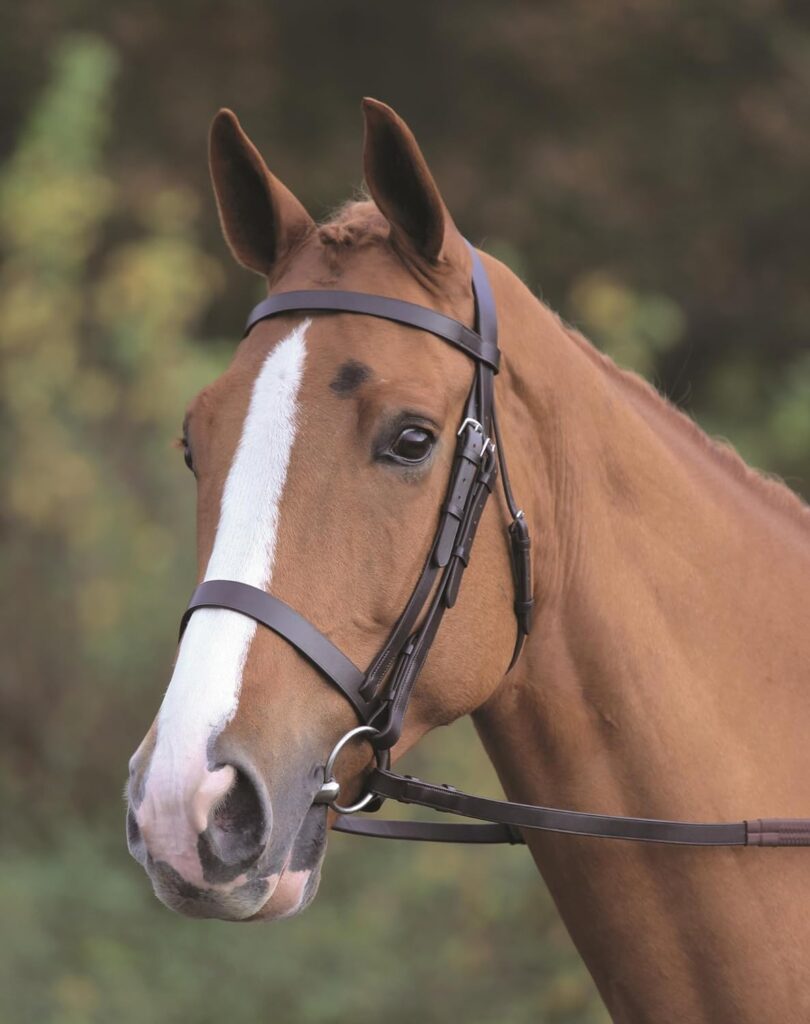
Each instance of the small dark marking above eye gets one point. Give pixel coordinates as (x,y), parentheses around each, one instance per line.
(349,377)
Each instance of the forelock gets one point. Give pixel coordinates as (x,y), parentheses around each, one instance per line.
(357,223)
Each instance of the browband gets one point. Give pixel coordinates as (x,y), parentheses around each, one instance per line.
(386,309)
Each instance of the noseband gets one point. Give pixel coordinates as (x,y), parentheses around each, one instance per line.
(380,694)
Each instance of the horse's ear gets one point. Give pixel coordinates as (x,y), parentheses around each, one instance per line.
(402,186)
(261,219)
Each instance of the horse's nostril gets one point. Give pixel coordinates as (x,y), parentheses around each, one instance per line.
(239,823)
(207,827)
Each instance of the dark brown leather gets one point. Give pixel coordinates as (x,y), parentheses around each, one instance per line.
(427,831)
(480,348)
(550,819)
(778,832)
(505,819)
(278,616)
(520,548)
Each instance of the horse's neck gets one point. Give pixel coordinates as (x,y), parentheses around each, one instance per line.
(666,676)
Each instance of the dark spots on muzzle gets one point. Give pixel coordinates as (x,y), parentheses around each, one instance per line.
(310,841)
(184,897)
(349,377)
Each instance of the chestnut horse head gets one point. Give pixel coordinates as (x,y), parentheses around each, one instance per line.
(322,457)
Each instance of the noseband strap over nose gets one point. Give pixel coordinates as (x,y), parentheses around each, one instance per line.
(296,630)
(381,694)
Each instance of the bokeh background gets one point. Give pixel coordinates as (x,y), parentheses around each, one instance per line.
(643,165)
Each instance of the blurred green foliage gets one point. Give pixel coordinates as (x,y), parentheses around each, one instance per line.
(97,362)
(644,166)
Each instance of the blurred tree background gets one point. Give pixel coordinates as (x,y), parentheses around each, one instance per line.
(643,166)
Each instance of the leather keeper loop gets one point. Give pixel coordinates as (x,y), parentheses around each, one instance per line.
(464,475)
(520,547)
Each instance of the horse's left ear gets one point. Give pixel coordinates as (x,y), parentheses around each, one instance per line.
(403,188)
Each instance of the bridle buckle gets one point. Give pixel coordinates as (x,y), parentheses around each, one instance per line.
(470,421)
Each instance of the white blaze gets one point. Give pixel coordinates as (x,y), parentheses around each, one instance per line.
(203,693)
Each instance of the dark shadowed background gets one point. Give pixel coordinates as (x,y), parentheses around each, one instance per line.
(644,167)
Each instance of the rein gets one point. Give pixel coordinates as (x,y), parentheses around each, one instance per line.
(380,694)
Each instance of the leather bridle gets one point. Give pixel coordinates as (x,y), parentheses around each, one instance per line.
(381,694)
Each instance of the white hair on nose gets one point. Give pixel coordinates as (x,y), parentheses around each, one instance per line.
(203,694)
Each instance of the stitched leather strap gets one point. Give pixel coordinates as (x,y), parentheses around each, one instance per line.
(278,616)
(778,832)
(549,819)
(505,819)
(471,465)
(398,310)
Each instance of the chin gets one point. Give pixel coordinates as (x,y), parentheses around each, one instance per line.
(259,899)
(293,893)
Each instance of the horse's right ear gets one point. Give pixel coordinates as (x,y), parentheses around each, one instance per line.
(261,219)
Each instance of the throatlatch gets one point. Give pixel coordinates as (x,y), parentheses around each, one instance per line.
(380,695)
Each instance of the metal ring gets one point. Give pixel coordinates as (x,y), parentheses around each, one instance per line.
(329,768)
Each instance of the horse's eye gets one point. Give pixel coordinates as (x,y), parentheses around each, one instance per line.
(189,461)
(412,445)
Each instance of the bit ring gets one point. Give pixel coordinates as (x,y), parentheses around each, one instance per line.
(330,790)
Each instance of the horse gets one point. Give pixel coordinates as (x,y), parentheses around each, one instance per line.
(666,668)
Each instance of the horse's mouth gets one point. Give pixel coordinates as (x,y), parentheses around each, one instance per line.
(257,894)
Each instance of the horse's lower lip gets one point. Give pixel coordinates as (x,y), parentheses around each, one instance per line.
(237,903)
(252,900)
(279,876)
(290,895)
(306,882)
